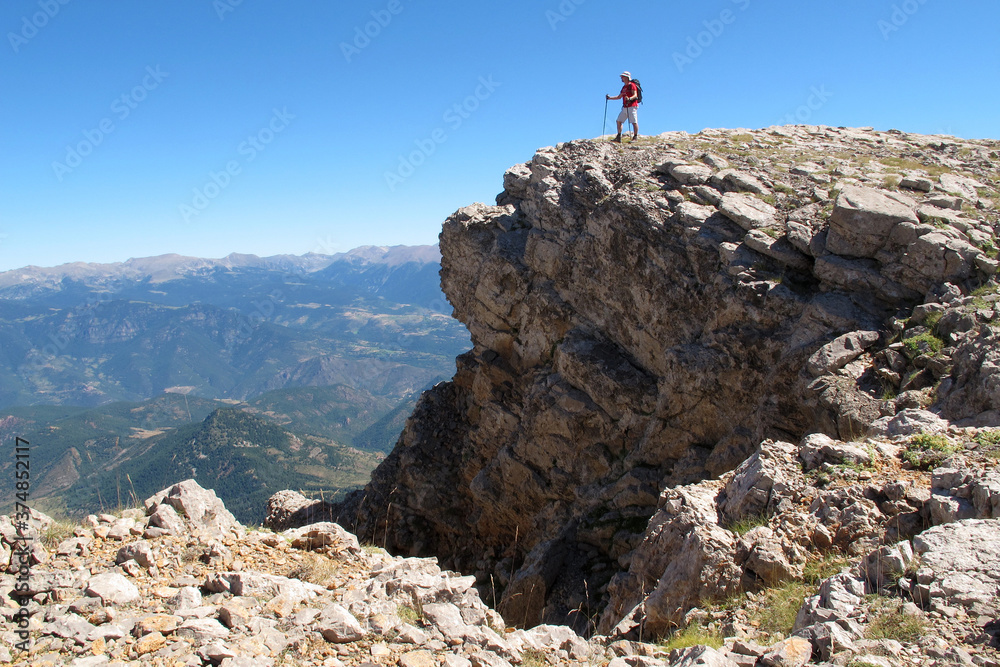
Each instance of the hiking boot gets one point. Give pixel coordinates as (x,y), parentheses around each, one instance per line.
(635,137)
(617,139)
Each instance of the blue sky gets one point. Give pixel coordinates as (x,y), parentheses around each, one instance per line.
(205,127)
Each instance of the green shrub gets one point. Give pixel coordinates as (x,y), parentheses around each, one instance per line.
(818,569)
(743,526)
(922,344)
(408,614)
(938,443)
(926,451)
(988,438)
(533,658)
(904,164)
(693,635)
(932,319)
(315,569)
(57,532)
(780,606)
(989,442)
(985,290)
(889,621)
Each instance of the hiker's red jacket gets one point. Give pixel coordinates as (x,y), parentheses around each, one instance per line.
(629,90)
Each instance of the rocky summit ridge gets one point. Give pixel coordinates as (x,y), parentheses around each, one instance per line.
(732,400)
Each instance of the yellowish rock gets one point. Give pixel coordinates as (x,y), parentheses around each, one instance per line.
(157,623)
(149,643)
(419,658)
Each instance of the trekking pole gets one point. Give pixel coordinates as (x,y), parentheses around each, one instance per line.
(603,126)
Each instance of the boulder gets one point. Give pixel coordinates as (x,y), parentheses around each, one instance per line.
(290,509)
(140,552)
(917,182)
(326,537)
(260,585)
(748,211)
(447,618)
(817,449)
(791,652)
(937,215)
(864,276)
(556,637)
(691,174)
(939,257)
(946,201)
(162,623)
(418,658)
(694,215)
(841,351)
(885,565)
(200,507)
(112,588)
(338,626)
(202,630)
(187,597)
(805,169)
(734,180)
(761,552)
(828,639)
(908,422)
(760,482)
(862,221)
(984,492)
(961,186)
(699,656)
(70,626)
(517,179)
(166,519)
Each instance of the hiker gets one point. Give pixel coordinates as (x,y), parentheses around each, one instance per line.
(630,104)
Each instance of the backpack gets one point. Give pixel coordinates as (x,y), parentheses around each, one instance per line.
(638,88)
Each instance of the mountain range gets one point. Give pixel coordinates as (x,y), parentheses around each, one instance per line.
(106,368)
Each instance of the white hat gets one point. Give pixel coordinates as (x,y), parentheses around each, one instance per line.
(627,75)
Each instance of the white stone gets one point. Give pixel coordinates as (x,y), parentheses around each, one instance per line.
(112,588)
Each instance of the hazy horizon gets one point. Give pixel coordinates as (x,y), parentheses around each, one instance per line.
(202,129)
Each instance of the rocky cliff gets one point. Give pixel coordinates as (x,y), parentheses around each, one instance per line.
(644,316)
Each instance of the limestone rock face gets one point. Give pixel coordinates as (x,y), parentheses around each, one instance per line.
(642,317)
(685,557)
(963,560)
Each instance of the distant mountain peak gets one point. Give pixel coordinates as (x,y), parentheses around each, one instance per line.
(395,255)
(171,266)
